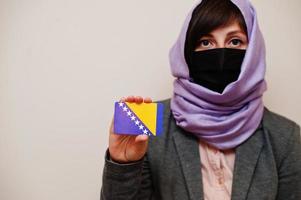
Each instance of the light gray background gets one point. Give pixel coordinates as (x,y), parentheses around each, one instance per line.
(64,62)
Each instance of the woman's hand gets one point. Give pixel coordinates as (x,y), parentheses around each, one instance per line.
(128,148)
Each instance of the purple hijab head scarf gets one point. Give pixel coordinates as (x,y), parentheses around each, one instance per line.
(222,120)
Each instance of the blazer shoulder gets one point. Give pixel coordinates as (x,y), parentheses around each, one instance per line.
(281,131)
(277,123)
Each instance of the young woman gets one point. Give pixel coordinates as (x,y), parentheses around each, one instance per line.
(220,142)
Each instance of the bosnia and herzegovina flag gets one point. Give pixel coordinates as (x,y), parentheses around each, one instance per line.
(136,119)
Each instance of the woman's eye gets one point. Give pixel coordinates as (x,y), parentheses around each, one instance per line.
(205,43)
(235,42)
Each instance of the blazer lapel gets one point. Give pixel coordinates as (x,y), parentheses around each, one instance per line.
(188,151)
(245,162)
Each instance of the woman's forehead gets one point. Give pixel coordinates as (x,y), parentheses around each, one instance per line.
(231,28)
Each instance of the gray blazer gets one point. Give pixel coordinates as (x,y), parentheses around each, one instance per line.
(267,166)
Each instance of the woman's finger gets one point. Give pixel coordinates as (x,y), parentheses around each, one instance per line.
(147,100)
(136,99)
(130,99)
(139,99)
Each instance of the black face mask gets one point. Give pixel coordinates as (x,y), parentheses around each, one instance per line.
(216,68)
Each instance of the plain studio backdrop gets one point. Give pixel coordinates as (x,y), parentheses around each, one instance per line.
(63,64)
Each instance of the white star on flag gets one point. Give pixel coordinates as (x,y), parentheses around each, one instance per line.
(133,118)
(129,113)
(120,104)
(125,109)
(145,131)
(137,122)
(141,127)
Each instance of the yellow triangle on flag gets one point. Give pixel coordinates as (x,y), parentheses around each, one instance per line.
(147,113)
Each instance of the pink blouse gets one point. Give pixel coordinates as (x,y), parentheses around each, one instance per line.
(217,172)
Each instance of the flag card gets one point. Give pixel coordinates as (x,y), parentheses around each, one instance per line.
(137,119)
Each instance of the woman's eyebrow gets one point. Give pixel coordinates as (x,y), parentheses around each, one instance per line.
(209,35)
(236,32)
